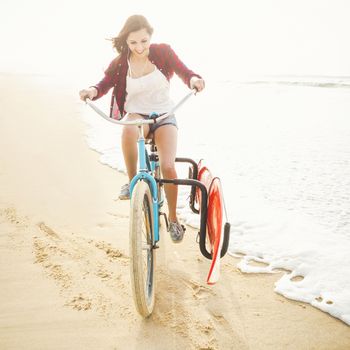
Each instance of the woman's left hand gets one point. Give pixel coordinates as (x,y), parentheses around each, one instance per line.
(197,83)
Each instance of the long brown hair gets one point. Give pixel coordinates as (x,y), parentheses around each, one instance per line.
(132,24)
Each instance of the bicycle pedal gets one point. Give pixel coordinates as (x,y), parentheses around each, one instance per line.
(155,246)
(183,227)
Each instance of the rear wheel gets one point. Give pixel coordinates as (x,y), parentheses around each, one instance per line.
(141,249)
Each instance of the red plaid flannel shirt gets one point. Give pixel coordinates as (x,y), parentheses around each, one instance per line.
(161,55)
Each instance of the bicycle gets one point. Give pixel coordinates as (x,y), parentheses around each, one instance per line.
(146,201)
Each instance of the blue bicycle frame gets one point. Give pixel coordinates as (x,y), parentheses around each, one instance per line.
(144,173)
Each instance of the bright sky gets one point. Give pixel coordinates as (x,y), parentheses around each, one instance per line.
(223,38)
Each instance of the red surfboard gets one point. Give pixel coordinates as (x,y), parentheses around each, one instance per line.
(215,226)
(215,216)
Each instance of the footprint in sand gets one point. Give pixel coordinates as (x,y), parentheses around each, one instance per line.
(10,215)
(111,252)
(199,291)
(47,230)
(80,302)
(84,270)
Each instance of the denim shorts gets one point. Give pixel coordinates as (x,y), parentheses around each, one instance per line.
(171,120)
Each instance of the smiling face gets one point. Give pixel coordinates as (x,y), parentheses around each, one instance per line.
(139,43)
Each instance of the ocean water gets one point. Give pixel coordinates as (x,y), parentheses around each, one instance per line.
(281,146)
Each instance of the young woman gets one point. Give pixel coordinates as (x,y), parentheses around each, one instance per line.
(140,79)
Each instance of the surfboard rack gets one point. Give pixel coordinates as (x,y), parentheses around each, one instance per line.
(198,187)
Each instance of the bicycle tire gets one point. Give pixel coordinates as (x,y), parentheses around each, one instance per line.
(142,253)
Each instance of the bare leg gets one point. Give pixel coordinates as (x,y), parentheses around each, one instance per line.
(129,145)
(166,141)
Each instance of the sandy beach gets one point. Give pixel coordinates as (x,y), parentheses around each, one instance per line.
(64,265)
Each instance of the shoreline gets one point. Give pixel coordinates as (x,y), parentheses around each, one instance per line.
(64,254)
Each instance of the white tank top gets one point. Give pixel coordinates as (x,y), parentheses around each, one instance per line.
(147,94)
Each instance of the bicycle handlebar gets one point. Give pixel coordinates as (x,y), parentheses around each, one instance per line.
(140,121)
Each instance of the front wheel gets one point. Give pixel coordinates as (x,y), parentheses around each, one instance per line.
(141,248)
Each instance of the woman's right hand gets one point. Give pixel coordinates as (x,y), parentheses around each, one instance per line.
(90,93)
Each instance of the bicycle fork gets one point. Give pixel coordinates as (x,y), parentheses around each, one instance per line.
(144,175)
